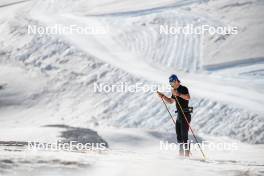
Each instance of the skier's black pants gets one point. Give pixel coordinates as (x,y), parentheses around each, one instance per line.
(182,127)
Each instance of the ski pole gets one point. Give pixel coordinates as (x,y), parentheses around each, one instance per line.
(168,111)
(177,101)
(170,114)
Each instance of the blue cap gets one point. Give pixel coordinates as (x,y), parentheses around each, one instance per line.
(173,78)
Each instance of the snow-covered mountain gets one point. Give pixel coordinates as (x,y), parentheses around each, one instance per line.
(49,79)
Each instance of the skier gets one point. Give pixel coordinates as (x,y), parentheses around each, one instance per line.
(180,96)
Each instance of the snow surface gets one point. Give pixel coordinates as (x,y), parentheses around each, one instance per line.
(49,79)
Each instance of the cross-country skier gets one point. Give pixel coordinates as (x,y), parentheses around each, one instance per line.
(180,96)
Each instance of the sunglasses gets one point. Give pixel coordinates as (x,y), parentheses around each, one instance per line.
(172,83)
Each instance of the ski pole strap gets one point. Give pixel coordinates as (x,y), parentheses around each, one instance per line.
(189,110)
